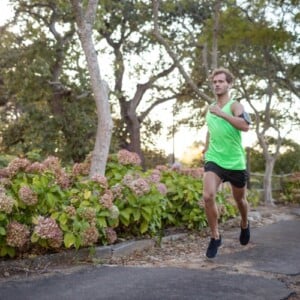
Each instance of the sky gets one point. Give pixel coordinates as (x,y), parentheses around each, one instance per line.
(5,11)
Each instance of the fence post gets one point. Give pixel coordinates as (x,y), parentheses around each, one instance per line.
(248,167)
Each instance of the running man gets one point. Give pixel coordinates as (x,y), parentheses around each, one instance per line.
(225,157)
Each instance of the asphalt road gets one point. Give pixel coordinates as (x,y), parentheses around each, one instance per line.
(275,253)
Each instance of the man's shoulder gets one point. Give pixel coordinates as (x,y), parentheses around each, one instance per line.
(236,106)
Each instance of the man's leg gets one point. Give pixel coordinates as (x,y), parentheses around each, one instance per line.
(211,183)
(239,194)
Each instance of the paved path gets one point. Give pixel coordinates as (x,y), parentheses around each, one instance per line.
(145,283)
(273,256)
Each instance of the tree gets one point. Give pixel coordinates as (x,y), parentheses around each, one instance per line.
(125,27)
(201,60)
(42,100)
(85,20)
(122,25)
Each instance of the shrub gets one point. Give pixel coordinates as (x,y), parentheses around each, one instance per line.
(45,207)
(184,200)
(56,207)
(291,188)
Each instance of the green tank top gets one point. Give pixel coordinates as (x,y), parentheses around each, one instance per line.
(225,142)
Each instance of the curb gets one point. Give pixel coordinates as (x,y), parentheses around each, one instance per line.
(101,253)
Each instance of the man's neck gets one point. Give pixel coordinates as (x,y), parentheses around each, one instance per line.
(223,99)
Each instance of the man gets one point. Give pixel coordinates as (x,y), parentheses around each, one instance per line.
(224,157)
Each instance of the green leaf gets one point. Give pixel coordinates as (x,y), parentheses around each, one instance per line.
(2,216)
(144,227)
(34,238)
(7,251)
(147,213)
(102,222)
(51,200)
(2,231)
(11,251)
(136,214)
(40,182)
(63,219)
(55,215)
(87,194)
(69,239)
(126,213)
(104,213)
(85,203)
(125,216)
(78,225)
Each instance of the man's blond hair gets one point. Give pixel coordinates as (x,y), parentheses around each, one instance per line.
(229,76)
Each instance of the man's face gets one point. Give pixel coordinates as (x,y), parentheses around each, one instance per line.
(220,85)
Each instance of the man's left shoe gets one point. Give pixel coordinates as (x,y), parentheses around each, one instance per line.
(245,235)
(213,247)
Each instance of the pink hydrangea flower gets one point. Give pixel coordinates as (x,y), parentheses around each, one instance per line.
(90,236)
(52,163)
(106,199)
(28,196)
(81,169)
(48,229)
(117,190)
(102,180)
(126,157)
(194,172)
(162,168)
(5,181)
(17,234)
(162,188)
(155,176)
(35,167)
(70,210)
(89,214)
(4,173)
(63,179)
(6,202)
(111,235)
(127,179)
(16,165)
(140,186)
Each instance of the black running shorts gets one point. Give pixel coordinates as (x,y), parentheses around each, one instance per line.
(238,178)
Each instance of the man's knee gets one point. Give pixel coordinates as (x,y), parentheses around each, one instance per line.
(208,198)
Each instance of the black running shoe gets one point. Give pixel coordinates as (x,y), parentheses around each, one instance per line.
(245,235)
(213,246)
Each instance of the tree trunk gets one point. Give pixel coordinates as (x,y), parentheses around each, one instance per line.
(133,127)
(104,132)
(85,20)
(268,182)
(214,54)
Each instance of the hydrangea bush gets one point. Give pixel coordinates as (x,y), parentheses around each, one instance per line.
(184,193)
(45,207)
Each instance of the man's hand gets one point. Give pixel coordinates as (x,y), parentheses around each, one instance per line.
(216,110)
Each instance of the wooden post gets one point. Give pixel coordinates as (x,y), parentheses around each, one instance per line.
(248,167)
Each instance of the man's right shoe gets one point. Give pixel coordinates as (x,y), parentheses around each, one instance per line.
(245,235)
(213,246)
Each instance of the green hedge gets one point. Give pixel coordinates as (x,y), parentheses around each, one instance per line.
(45,207)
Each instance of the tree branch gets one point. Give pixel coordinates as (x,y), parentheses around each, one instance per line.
(173,55)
